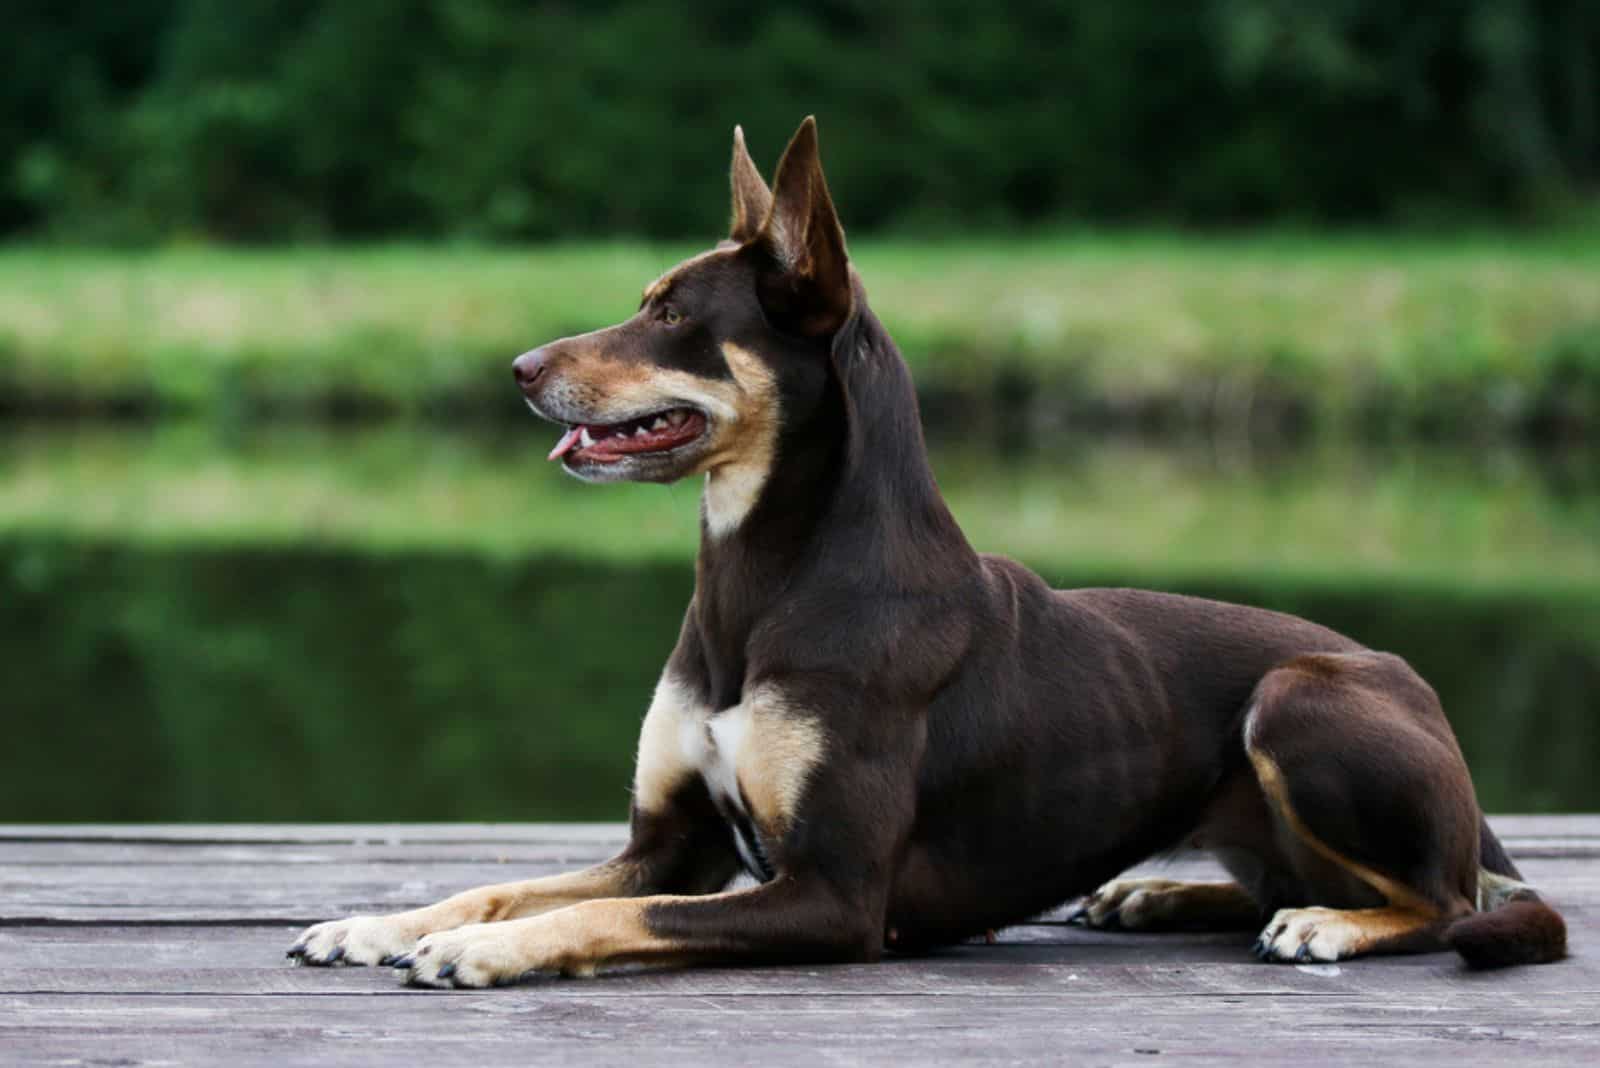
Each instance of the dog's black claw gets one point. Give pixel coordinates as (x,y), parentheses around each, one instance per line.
(1303,953)
(404,960)
(446,970)
(1079,916)
(387,960)
(334,955)
(296,951)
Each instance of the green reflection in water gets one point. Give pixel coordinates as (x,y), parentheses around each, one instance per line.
(413,625)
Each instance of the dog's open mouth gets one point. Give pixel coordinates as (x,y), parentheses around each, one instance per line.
(610,442)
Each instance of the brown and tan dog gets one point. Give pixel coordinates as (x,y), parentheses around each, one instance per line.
(908,743)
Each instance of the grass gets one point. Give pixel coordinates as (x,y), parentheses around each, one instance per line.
(1476,328)
(1331,516)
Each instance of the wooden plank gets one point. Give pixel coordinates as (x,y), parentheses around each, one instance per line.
(121,853)
(377,833)
(164,945)
(1513,826)
(1107,972)
(228,877)
(169,990)
(230,960)
(525,1025)
(257,893)
(124,853)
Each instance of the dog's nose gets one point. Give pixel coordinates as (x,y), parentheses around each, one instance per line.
(528,367)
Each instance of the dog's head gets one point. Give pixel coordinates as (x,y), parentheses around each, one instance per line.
(723,347)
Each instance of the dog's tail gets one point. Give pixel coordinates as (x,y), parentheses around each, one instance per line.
(1523,931)
(1514,925)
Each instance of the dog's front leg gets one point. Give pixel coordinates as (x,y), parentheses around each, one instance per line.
(678,844)
(681,848)
(786,919)
(381,939)
(830,799)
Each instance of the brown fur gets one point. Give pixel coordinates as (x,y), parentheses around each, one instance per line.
(1522,932)
(906,741)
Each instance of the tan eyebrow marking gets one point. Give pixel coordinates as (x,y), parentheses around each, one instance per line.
(661,285)
(656,289)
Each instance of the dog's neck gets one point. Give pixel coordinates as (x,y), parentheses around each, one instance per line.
(849,501)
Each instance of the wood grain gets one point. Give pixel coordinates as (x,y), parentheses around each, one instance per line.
(143,944)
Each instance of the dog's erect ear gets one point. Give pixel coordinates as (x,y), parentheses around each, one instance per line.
(751,197)
(810,290)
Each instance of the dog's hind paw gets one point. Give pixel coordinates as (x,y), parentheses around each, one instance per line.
(1128,905)
(357,940)
(1309,934)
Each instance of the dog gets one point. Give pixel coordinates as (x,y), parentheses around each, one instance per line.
(907,743)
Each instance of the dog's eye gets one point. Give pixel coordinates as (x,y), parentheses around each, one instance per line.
(671,316)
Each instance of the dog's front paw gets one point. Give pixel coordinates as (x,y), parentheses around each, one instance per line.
(478,955)
(1128,905)
(357,940)
(1310,934)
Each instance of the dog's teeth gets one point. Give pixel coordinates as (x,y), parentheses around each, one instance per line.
(659,424)
(585,439)
(676,416)
(641,431)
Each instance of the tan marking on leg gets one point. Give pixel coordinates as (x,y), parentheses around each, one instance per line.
(1153,904)
(662,764)
(661,768)
(1321,934)
(371,939)
(508,901)
(581,940)
(648,932)
(741,458)
(1277,790)
(778,752)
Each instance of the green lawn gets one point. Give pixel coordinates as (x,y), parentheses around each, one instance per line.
(1489,327)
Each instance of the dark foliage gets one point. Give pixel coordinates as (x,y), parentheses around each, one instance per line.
(279,119)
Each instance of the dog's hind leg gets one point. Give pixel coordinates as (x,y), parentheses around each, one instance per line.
(1167,905)
(1235,829)
(1373,808)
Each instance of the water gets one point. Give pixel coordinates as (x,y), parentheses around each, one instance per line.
(407,623)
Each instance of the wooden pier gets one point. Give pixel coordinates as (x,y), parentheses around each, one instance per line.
(130,945)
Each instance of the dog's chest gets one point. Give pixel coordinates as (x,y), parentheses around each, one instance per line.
(713,746)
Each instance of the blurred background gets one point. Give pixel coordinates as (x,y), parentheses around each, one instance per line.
(1285,303)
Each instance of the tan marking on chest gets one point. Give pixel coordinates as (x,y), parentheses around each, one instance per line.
(661,768)
(758,756)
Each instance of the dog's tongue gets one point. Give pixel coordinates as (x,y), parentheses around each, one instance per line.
(564,446)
